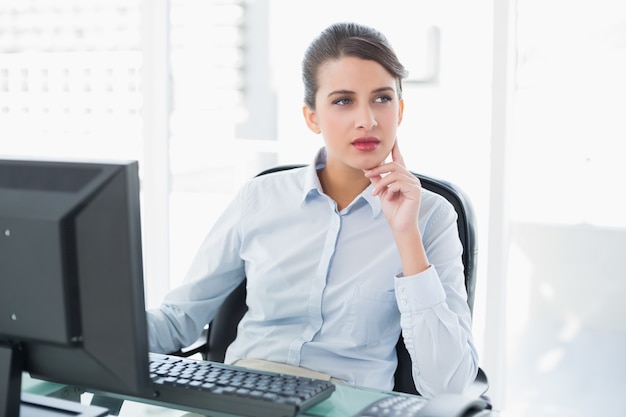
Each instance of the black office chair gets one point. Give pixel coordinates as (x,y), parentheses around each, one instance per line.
(222,330)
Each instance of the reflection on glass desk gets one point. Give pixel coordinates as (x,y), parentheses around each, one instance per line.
(33,405)
(346,401)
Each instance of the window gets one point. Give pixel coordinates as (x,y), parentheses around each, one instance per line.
(565,328)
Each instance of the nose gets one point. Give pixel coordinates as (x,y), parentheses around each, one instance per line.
(365,118)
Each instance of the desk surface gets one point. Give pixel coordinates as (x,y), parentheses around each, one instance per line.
(344,402)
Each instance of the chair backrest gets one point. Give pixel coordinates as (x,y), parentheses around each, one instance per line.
(223,329)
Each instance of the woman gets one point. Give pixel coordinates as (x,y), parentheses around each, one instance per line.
(342,255)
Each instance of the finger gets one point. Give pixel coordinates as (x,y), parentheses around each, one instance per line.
(383,183)
(396,156)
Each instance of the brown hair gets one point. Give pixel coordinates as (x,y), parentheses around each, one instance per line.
(348,39)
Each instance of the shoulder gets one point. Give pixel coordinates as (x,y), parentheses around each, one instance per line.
(436,209)
(291,176)
(278,185)
(432,201)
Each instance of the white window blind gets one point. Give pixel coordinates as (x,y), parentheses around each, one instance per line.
(208,63)
(70,80)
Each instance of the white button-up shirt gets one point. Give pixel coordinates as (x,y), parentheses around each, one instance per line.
(325,289)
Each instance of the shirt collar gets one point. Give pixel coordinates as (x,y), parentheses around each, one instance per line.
(313,188)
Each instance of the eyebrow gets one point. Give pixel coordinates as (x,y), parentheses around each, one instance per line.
(344,92)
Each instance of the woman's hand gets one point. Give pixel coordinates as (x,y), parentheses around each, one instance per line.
(400,192)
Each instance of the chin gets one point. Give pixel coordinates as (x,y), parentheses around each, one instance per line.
(369,163)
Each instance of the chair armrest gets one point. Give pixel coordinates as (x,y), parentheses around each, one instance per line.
(199,346)
(479,387)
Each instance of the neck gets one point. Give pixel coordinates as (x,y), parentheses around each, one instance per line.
(342,183)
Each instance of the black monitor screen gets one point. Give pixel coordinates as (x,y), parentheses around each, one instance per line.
(71,276)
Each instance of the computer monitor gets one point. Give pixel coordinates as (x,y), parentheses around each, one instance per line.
(71,277)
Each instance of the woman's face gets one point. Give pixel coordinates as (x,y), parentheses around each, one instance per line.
(357,112)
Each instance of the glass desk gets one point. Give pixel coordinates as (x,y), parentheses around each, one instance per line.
(346,401)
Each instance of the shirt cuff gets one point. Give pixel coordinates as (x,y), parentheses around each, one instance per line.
(419,292)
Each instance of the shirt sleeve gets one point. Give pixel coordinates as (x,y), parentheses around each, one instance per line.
(434,314)
(215,272)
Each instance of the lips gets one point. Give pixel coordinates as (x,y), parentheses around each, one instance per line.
(366,144)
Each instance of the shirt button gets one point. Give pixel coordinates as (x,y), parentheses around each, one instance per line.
(404,301)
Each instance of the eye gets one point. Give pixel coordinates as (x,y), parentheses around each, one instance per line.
(383,99)
(342,101)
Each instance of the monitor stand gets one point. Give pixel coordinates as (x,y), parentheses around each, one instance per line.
(41,406)
(10,380)
(14,403)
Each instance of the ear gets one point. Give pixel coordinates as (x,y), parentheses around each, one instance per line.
(310,117)
(400,111)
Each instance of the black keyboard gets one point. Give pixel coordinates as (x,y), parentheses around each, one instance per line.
(212,386)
